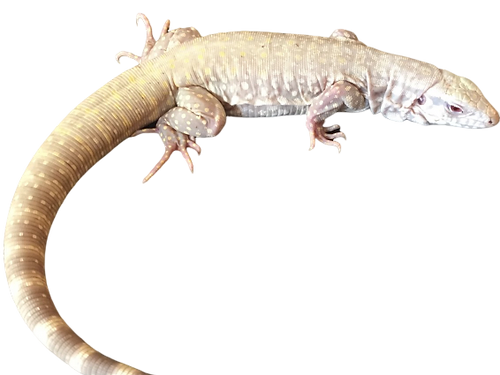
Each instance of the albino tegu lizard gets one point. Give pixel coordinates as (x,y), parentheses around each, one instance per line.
(185,86)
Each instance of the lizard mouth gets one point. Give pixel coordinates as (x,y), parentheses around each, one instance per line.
(414,115)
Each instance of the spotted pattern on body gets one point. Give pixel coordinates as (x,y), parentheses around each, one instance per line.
(340,97)
(191,117)
(244,70)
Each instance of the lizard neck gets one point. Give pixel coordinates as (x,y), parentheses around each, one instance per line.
(394,82)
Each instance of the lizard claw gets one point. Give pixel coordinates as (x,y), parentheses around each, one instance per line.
(312,133)
(158,165)
(174,141)
(192,144)
(182,143)
(166,27)
(336,146)
(150,40)
(326,135)
(331,136)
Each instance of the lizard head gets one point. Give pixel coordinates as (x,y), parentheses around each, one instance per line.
(455,101)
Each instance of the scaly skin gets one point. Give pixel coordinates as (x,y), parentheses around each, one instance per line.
(189,91)
(172,139)
(96,126)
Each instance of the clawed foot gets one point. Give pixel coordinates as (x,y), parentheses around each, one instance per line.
(150,41)
(184,141)
(174,141)
(326,135)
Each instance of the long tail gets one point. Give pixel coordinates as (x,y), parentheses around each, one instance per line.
(110,115)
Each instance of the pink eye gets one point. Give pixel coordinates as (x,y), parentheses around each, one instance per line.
(455,109)
(421,100)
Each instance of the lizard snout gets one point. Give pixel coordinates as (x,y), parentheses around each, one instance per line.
(494,118)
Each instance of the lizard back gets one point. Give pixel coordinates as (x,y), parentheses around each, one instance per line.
(258,74)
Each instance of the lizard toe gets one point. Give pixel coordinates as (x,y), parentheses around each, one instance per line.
(158,165)
(335,145)
(192,144)
(332,132)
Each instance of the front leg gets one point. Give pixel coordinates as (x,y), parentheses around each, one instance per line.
(342,96)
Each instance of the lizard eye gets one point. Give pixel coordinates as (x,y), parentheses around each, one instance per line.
(455,109)
(421,100)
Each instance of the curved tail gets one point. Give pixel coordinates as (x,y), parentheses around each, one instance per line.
(132,100)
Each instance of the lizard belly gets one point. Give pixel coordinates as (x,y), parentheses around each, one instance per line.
(272,111)
(250,110)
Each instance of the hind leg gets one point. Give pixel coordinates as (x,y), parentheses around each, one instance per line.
(198,114)
(167,40)
(172,140)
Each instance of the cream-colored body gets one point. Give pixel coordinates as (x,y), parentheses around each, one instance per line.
(245,72)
